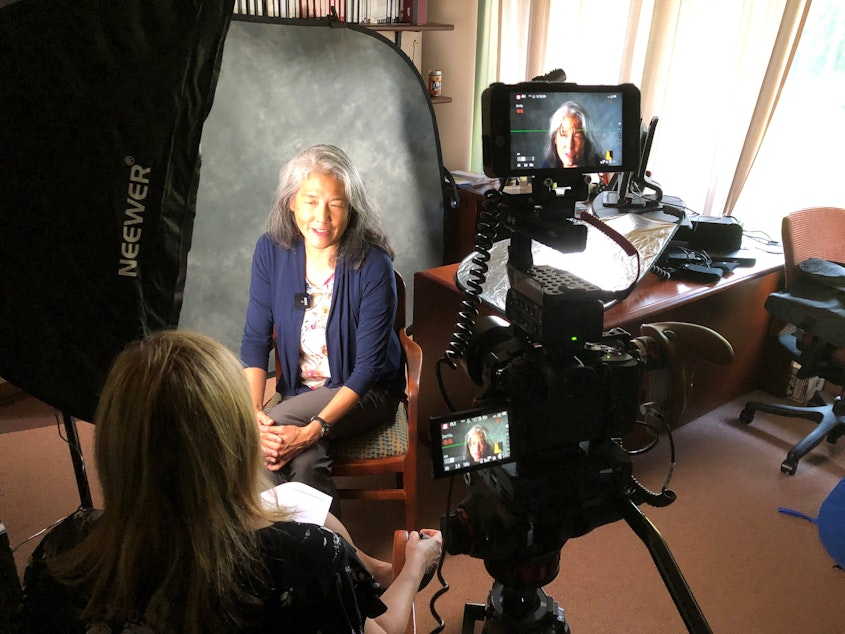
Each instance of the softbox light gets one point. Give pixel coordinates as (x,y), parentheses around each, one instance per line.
(102,106)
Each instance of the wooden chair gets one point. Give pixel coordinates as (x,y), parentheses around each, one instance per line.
(382,463)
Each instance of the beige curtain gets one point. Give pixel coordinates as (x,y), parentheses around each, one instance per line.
(794,17)
(538,20)
(712,70)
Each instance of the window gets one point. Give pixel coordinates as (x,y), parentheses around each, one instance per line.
(801,162)
(711,70)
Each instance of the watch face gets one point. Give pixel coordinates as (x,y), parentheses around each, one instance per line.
(326,427)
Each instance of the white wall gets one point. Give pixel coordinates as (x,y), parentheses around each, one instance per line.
(453,52)
(412,46)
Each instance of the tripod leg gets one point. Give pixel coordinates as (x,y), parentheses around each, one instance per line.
(472,612)
(667,566)
(78,463)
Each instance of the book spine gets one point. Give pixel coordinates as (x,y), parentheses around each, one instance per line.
(414,11)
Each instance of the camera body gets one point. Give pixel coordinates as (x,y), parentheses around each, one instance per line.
(566,390)
(538,402)
(541,453)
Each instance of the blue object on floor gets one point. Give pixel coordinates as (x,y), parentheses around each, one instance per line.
(831,523)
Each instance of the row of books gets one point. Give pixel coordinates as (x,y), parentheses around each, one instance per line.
(356,11)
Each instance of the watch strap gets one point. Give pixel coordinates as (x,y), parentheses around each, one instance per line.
(326,428)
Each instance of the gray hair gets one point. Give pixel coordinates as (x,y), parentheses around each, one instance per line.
(591,146)
(478,428)
(364,229)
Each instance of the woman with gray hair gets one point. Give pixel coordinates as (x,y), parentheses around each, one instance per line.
(572,139)
(323,280)
(478,444)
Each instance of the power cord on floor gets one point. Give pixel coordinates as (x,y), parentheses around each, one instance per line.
(444,585)
(654,411)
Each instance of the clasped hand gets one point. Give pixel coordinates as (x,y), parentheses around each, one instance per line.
(282,443)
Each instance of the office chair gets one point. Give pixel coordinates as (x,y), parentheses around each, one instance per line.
(381,464)
(812,241)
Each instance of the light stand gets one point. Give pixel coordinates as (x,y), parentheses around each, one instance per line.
(75,448)
(10,587)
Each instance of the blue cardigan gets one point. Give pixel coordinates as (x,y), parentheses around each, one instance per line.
(363,348)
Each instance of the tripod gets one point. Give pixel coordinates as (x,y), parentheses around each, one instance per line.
(529,609)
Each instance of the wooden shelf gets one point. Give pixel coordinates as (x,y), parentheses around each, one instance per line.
(404,26)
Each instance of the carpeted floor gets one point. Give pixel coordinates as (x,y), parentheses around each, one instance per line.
(750,568)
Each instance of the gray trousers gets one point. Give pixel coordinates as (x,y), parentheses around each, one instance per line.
(314,465)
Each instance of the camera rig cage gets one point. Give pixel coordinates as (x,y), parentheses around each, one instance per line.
(568,390)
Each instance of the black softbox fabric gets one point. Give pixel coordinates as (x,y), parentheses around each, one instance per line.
(102,105)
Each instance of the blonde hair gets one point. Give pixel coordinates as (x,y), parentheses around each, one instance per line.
(180,463)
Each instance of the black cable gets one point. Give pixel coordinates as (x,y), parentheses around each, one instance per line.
(655,439)
(761,236)
(662,273)
(488,225)
(41,532)
(444,586)
(637,492)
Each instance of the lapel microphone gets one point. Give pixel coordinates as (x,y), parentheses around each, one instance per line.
(302,301)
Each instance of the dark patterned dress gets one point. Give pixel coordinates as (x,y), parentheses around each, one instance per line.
(315,583)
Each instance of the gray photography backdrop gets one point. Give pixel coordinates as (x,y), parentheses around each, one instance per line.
(284,86)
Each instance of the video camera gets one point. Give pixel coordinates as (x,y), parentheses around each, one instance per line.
(559,393)
(554,356)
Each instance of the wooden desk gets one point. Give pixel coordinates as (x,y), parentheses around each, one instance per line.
(732,307)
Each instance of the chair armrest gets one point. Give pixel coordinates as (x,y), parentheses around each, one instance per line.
(413,365)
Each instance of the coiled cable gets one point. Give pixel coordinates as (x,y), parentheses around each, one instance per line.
(486,229)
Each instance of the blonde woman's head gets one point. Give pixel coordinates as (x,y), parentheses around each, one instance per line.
(175,426)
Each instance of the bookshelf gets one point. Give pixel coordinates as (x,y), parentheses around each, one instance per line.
(273,9)
(398,28)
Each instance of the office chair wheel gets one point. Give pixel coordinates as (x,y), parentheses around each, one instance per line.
(789,467)
(835,434)
(746,415)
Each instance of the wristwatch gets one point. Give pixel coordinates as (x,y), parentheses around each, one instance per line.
(326,427)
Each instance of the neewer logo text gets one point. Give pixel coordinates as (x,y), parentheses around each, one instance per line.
(133,218)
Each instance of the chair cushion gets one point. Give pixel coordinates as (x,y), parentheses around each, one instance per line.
(825,272)
(814,303)
(385,440)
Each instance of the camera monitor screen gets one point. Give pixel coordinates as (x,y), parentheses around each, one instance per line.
(468,440)
(544,129)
